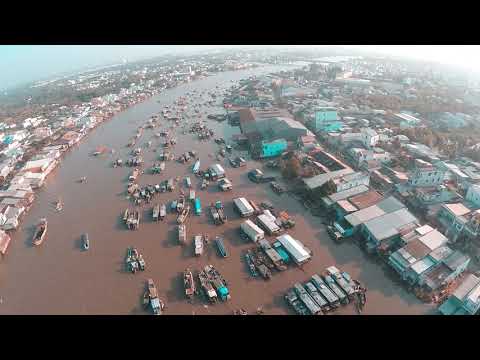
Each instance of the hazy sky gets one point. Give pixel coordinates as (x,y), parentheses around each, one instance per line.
(23,63)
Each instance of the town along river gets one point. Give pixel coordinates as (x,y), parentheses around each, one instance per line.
(59,278)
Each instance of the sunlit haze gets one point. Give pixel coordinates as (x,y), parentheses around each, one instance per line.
(20,64)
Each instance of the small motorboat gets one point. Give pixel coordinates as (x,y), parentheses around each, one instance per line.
(40,232)
(85,241)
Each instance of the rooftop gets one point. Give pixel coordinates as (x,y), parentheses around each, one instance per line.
(457,209)
(367,199)
(386,226)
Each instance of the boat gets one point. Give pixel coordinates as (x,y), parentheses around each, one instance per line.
(40,232)
(191,195)
(198,243)
(59,205)
(207,287)
(125,215)
(218,282)
(182,217)
(180,204)
(251,264)
(221,246)
(182,234)
(156,212)
(141,262)
(85,241)
(196,166)
(163,211)
(151,298)
(189,283)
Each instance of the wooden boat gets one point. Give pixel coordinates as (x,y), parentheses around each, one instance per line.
(189,283)
(198,243)
(40,232)
(125,215)
(156,212)
(163,211)
(183,216)
(85,241)
(182,234)
(59,205)
(151,298)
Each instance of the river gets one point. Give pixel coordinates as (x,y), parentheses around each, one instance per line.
(59,278)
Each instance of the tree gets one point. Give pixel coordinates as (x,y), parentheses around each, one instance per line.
(292,168)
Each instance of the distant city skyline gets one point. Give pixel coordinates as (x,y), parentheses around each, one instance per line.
(20,64)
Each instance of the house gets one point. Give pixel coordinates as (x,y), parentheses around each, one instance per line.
(425,174)
(405,120)
(6,168)
(465,300)
(454,218)
(445,272)
(347,181)
(416,245)
(425,196)
(331,199)
(326,120)
(354,221)
(380,233)
(45,165)
(354,203)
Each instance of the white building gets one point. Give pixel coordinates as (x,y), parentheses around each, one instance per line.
(425,174)
(369,137)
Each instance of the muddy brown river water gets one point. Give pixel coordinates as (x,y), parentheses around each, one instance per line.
(59,278)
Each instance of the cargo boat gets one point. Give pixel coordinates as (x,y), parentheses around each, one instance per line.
(40,232)
(221,246)
(156,212)
(163,211)
(198,244)
(218,282)
(198,207)
(293,300)
(315,295)
(330,281)
(196,166)
(325,291)
(311,305)
(189,283)
(207,287)
(182,234)
(151,298)
(183,216)
(251,264)
(345,285)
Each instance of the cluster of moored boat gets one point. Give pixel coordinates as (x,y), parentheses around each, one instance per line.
(322,294)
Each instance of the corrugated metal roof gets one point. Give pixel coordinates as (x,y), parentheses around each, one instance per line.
(329,200)
(467,285)
(347,206)
(364,215)
(433,239)
(417,249)
(422,230)
(366,199)
(387,225)
(390,204)
(422,265)
(294,247)
(440,253)
(454,260)
(457,209)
